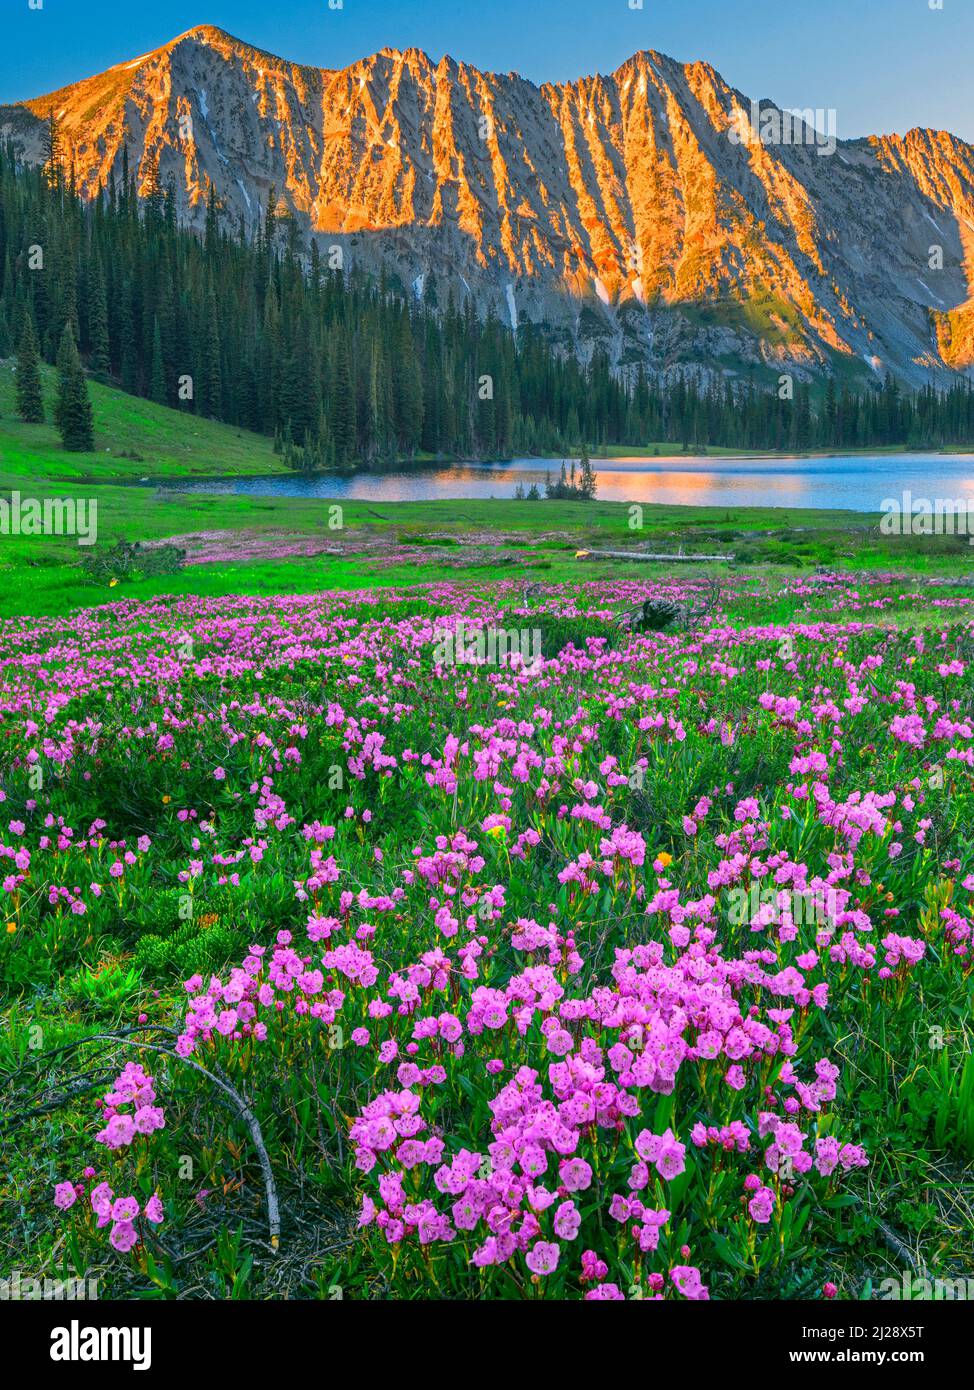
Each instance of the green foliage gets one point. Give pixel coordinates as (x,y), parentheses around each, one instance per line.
(954,1092)
(30,402)
(577,485)
(189,949)
(128,560)
(557,633)
(73,413)
(103,990)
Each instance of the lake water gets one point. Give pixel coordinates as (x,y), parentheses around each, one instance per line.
(858,483)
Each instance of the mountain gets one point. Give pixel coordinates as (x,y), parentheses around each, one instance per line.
(656,212)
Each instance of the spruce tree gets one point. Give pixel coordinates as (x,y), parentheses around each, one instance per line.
(341,408)
(30,400)
(210,391)
(587,482)
(75,419)
(53,149)
(98,323)
(129,352)
(157,376)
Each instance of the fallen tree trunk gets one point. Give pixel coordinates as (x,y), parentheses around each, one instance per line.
(643,555)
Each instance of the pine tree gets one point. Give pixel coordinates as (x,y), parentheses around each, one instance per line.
(588,484)
(75,419)
(30,400)
(53,149)
(157,376)
(128,343)
(99,360)
(210,395)
(342,413)
(211,235)
(152,195)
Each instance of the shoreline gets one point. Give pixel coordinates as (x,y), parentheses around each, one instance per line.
(199,481)
(169,483)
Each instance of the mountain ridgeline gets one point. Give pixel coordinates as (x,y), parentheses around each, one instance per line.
(655,215)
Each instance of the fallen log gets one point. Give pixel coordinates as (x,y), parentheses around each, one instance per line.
(643,555)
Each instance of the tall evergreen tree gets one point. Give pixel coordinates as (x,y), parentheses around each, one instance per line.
(74,415)
(342,411)
(157,375)
(128,342)
(30,399)
(53,149)
(100,361)
(210,392)
(587,482)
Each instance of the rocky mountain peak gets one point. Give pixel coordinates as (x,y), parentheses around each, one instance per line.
(637,213)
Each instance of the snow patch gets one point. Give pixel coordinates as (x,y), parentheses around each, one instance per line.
(930,291)
(933,224)
(243,190)
(512,307)
(418,284)
(205,112)
(601,291)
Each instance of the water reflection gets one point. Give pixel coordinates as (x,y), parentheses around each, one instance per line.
(857,483)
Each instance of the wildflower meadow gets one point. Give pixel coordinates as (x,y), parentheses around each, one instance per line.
(345,960)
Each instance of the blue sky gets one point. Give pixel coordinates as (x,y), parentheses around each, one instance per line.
(884,65)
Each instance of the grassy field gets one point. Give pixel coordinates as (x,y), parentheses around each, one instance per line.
(285,545)
(133,439)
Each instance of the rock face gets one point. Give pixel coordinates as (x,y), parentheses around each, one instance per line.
(654,213)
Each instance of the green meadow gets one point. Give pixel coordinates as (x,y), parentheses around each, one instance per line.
(384,544)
